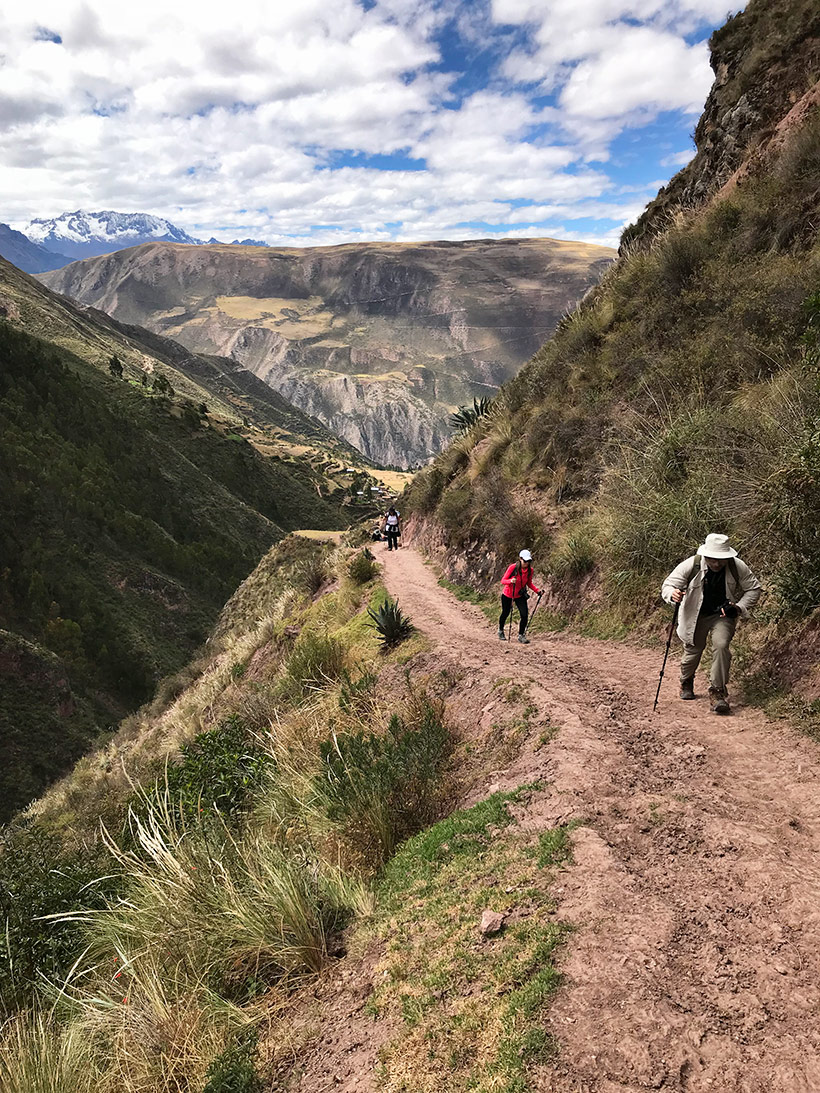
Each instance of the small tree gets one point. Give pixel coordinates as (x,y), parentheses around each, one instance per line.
(115,366)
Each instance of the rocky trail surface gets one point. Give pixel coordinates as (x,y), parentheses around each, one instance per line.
(694,893)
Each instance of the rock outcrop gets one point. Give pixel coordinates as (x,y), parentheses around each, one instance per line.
(380,342)
(766,60)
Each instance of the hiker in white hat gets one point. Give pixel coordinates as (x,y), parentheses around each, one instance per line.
(714,588)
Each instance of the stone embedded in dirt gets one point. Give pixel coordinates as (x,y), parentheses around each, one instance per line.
(491,923)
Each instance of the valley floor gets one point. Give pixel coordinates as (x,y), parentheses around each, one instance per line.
(694,894)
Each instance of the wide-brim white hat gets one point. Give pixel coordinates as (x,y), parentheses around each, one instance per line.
(717,546)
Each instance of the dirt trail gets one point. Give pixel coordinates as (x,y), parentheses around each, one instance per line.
(696,884)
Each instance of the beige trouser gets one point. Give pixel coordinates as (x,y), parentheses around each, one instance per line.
(722,631)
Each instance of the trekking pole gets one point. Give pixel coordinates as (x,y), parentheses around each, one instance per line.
(666,654)
(532,616)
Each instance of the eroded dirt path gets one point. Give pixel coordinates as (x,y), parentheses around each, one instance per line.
(695,890)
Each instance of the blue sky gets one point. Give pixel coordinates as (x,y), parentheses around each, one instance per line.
(384,119)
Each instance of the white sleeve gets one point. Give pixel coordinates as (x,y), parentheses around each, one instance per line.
(679,578)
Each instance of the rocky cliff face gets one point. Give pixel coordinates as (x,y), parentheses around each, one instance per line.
(380,342)
(766,61)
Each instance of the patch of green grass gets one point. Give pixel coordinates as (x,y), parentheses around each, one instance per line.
(488,603)
(555,846)
(545,737)
(472,1007)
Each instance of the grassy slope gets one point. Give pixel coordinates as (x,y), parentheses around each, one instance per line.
(293,785)
(680,397)
(123,530)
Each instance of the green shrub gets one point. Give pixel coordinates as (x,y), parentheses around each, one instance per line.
(455,512)
(380,789)
(425,490)
(218,772)
(39,878)
(392,625)
(358,696)
(793,494)
(362,566)
(233,1071)
(680,255)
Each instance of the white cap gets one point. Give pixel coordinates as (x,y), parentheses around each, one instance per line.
(525,556)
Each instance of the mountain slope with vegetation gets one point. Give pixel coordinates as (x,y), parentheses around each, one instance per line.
(381,342)
(128,515)
(682,395)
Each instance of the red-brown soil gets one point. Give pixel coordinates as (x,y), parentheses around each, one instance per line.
(695,886)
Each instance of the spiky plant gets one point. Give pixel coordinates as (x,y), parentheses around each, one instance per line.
(465,417)
(392,624)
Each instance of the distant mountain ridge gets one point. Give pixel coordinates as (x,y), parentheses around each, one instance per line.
(379,341)
(51,243)
(26,254)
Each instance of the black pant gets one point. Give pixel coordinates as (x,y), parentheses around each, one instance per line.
(523,611)
(393,538)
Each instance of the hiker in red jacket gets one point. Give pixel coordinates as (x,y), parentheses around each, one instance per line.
(514,584)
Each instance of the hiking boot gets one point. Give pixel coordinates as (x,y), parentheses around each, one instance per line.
(719,701)
(523,640)
(687,689)
(501,636)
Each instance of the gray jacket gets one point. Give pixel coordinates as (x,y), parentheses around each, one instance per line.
(745,592)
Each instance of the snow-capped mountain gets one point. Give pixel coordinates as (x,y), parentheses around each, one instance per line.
(86,234)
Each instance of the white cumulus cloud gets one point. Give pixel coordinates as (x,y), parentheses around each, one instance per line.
(280,121)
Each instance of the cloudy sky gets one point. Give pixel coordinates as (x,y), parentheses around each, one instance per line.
(314,122)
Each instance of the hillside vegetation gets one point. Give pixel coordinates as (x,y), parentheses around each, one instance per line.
(682,395)
(126,521)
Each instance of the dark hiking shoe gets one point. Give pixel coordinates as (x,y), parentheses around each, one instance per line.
(501,636)
(719,702)
(523,640)
(687,689)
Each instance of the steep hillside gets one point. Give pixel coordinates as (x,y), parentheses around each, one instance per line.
(682,395)
(379,341)
(126,517)
(251,407)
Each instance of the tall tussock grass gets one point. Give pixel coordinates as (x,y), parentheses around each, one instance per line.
(218,907)
(38,1055)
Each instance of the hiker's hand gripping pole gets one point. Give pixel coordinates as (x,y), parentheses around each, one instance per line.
(672,626)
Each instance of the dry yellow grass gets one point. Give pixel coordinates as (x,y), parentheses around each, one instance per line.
(321,536)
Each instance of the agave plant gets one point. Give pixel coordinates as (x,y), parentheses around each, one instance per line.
(465,417)
(392,625)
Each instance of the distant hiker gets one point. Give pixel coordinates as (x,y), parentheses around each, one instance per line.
(376,534)
(515,583)
(392,527)
(714,588)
